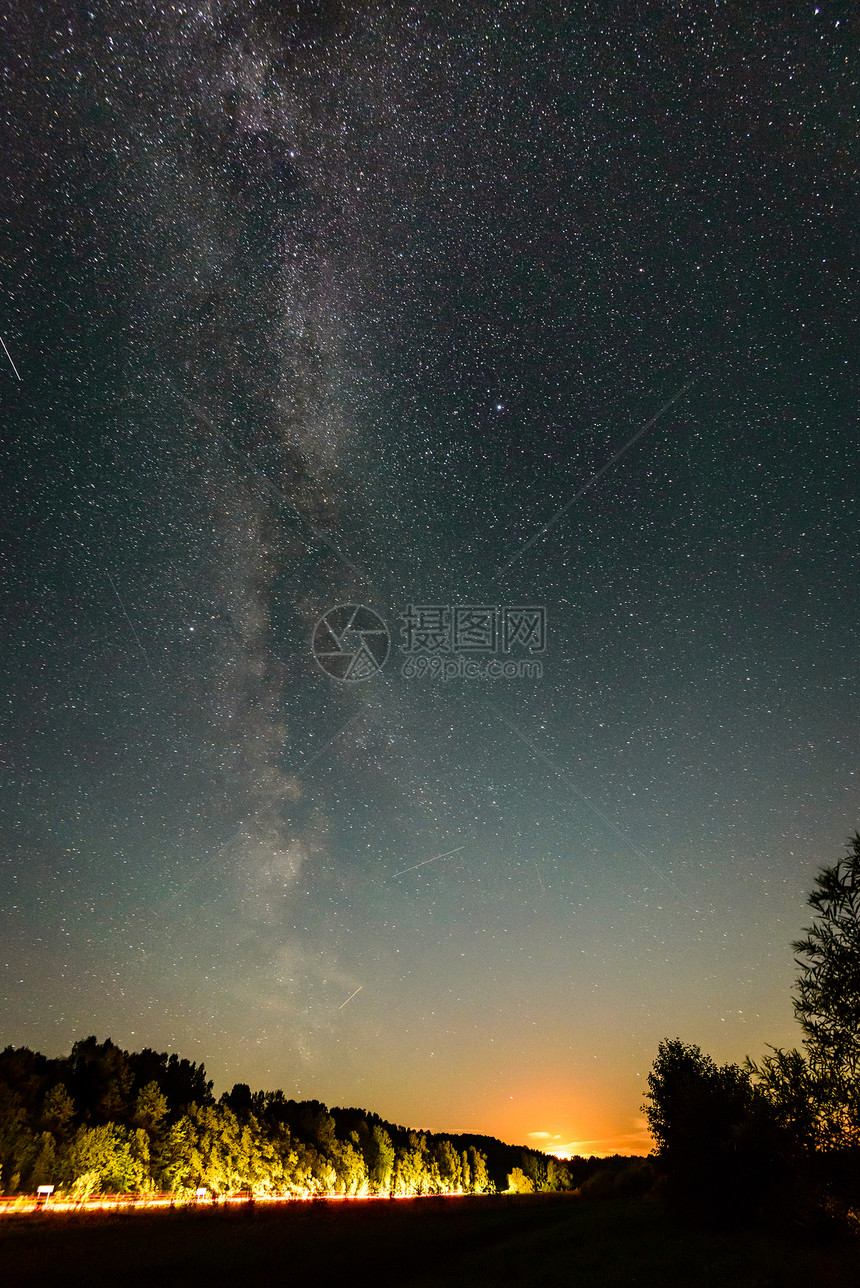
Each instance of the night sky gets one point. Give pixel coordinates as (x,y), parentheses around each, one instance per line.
(524,305)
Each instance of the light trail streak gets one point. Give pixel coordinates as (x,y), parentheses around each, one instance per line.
(24,1205)
(446,855)
(351,996)
(131,624)
(617,457)
(9,356)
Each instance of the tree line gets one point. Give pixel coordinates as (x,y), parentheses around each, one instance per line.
(778,1137)
(105,1120)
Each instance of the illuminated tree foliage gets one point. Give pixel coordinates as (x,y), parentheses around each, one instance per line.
(519,1183)
(106,1120)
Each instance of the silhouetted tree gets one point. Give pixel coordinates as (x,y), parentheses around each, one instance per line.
(239,1099)
(58,1110)
(718,1140)
(827,1002)
(796,1095)
(816,1094)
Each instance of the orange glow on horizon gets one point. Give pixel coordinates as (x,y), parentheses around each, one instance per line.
(630,1144)
(562,1119)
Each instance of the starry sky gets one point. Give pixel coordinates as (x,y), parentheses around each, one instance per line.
(445,304)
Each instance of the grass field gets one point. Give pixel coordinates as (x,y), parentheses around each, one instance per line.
(546,1239)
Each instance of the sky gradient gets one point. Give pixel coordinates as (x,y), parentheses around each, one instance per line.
(525,305)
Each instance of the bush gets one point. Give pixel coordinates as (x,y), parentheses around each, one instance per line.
(720,1146)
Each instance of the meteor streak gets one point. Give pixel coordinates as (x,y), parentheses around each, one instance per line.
(9,356)
(351,996)
(433,860)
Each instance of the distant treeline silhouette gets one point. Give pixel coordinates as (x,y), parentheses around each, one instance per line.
(105,1120)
